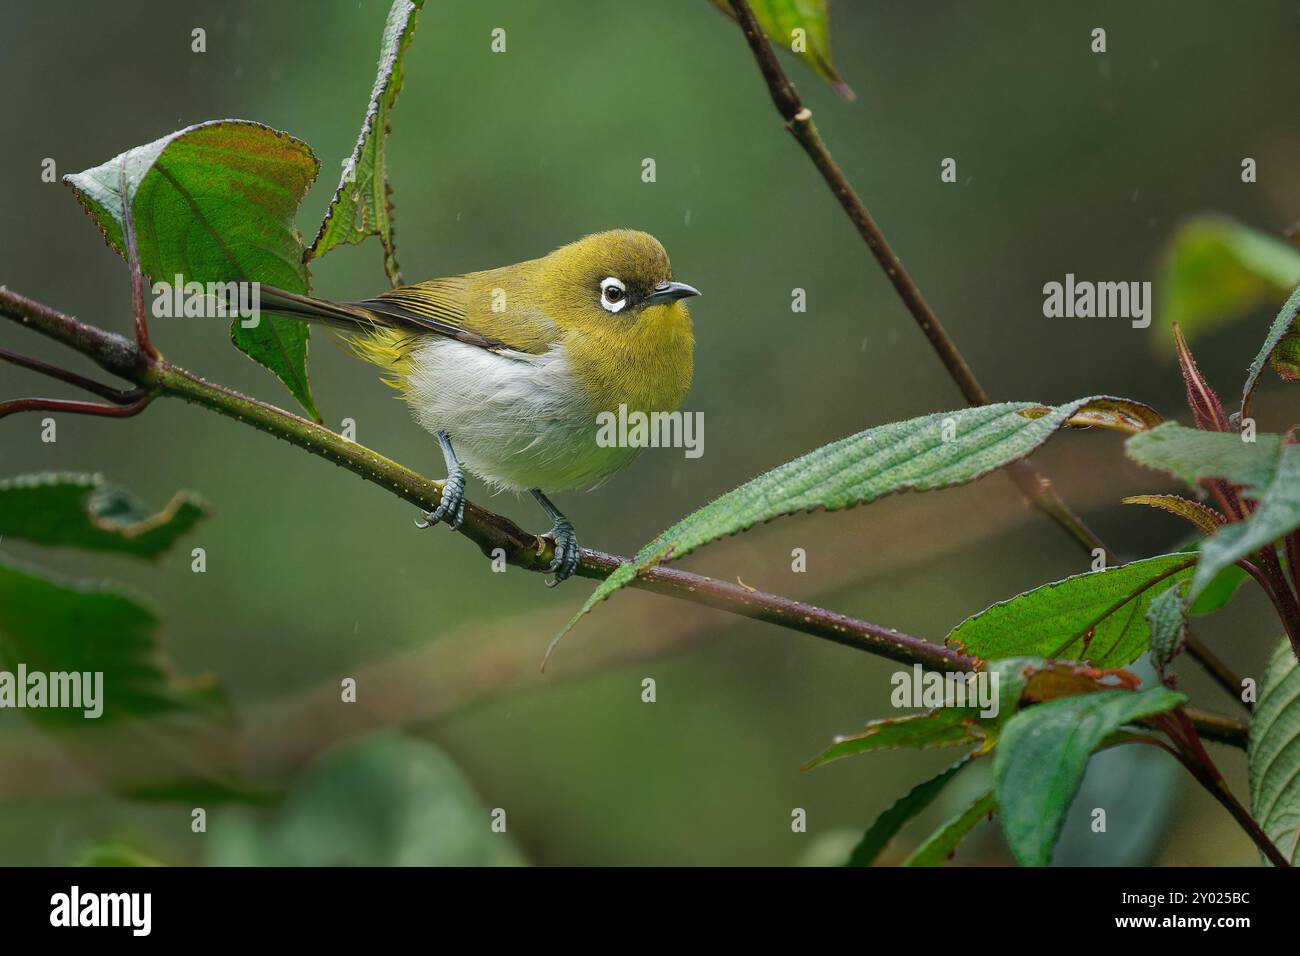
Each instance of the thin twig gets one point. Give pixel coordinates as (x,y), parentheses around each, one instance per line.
(1226,677)
(118,396)
(492,531)
(70,407)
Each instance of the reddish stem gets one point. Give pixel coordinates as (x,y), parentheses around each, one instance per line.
(147,350)
(118,396)
(74,408)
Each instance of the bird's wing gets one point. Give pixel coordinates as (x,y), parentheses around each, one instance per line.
(439,305)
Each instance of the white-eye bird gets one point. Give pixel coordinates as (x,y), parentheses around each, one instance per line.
(510,367)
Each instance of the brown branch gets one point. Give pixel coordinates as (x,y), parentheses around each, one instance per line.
(70,407)
(117,396)
(1224,675)
(491,531)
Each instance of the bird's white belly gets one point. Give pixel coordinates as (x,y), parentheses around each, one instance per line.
(517,421)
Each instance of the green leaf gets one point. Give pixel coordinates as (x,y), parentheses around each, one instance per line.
(922,454)
(82,511)
(1285,357)
(215,203)
(1279,329)
(388,800)
(1219,591)
(115,853)
(1192,455)
(1267,469)
(1274,753)
(944,726)
(903,809)
(1168,621)
(1217,270)
(779,20)
(158,736)
(1276,514)
(941,844)
(362,205)
(1099,616)
(1043,752)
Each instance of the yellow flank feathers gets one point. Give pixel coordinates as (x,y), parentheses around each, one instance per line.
(390,349)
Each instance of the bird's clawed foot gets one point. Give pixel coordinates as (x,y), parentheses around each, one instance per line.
(567,552)
(451,508)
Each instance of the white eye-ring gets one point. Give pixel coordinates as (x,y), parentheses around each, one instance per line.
(613,294)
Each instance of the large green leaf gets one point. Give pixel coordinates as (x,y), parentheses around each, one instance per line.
(1277,332)
(1267,469)
(940,845)
(921,454)
(1099,616)
(82,511)
(1217,270)
(902,810)
(779,20)
(389,800)
(1042,754)
(1191,454)
(158,735)
(362,204)
(215,203)
(1274,753)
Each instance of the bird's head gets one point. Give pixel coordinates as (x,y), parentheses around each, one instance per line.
(613,280)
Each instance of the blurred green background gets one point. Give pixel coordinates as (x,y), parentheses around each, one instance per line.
(1067,162)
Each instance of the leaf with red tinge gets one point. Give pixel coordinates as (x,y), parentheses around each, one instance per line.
(1206,408)
(1201,515)
(215,203)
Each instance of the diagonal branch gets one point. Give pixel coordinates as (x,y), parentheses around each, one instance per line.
(1031,481)
(491,531)
(798,120)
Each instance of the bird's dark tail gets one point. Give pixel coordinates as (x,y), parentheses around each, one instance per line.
(338,315)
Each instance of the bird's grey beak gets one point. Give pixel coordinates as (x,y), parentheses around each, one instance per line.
(670,292)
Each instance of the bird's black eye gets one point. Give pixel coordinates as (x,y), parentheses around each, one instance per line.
(613,293)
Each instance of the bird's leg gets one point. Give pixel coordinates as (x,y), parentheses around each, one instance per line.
(566,542)
(452,506)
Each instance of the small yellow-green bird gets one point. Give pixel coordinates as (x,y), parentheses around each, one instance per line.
(510,367)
